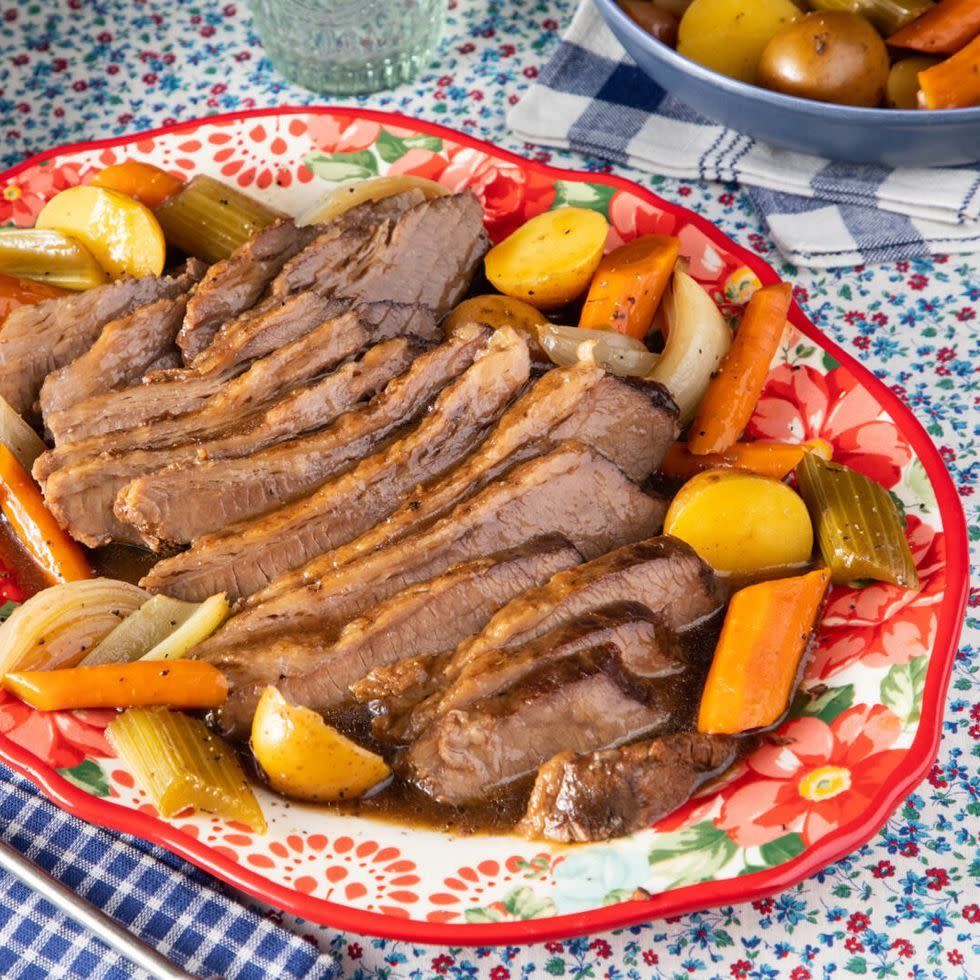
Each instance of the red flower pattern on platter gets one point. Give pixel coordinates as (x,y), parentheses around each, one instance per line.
(23,196)
(62,739)
(800,403)
(883,624)
(824,775)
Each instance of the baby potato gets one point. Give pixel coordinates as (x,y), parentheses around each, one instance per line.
(122,234)
(303,757)
(549,260)
(829,57)
(728,36)
(740,522)
(497,311)
(902,90)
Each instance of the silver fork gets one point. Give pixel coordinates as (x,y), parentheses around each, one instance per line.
(88,916)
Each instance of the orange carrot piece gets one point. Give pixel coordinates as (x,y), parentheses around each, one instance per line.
(764,637)
(953,83)
(59,557)
(177,684)
(148,184)
(16,292)
(733,392)
(629,284)
(775,459)
(945,29)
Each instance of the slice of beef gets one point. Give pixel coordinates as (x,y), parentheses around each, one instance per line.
(600,795)
(41,338)
(234,284)
(187,500)
(663,574)
(571,491)
(344,244)
(432,615)
(430,258)
(82,495)
(648,648)
(230,408)
(586,701)
(124,351)
(265,328)
(631,425)
(243,558)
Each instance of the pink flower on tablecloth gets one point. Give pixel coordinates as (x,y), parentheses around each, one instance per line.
(419,163)
(62,739)
(500,185)
(800,403)
(825,776)
(23,196)
(883,624)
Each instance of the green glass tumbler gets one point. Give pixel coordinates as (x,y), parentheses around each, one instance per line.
(345,47)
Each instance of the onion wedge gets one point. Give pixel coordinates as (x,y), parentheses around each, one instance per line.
(18,436)
(612,351)
(341,199)
(136,635)
(58,626)
(697,340)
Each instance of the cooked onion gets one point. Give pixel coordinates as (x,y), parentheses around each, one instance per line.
(341,199)
(59,625)
(18,436)
(615,352)
(697,340)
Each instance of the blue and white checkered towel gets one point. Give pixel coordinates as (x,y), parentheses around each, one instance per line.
(592,98)
(189,917)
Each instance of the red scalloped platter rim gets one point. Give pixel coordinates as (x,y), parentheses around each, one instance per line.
(847,838)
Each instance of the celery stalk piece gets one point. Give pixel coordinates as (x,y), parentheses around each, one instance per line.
(139,633)
(202,622)
(209,219)
(858,526)
(48,256)
(181,763)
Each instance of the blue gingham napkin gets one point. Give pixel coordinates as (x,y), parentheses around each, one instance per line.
(592,98)
(189,917)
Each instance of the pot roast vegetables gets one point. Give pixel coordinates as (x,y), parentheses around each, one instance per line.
(901,54)
(505,520)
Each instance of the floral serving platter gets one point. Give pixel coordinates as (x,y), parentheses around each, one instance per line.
(862,733)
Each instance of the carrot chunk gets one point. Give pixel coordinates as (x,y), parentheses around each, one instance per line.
(953,83)
(185,684)
(734,391)
(59,556)
(775,459)
(629,284)
(944,29)
(148,184)
(765,634)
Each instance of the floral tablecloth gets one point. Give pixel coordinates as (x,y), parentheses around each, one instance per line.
(908,904)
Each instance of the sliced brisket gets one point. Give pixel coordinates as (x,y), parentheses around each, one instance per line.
(571,491)
(578,798)
(433,615)
(233,285)
(188,500)
(39,339)
(124,351)
(243,558)
(240,399)
(663,574)
(587,700)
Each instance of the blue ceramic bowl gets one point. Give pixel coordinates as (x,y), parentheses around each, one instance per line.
(892,137)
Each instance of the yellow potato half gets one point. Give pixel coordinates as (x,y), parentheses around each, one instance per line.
(303,757)
(739,522)
(122,234)
(549,260)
